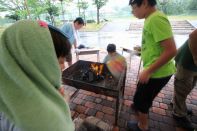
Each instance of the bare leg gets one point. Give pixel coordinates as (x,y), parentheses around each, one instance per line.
(143,121)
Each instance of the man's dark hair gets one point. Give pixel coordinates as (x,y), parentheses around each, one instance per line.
(139,2)
(79,20)
(60,41)
(111,48)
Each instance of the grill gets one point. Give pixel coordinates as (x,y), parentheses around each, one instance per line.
(81,76)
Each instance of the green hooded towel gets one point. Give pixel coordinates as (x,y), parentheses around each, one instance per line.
(29,73)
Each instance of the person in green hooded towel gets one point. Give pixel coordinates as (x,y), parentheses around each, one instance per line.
(30,79)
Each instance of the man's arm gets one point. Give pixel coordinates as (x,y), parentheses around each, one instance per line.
(193,45)
(75,44)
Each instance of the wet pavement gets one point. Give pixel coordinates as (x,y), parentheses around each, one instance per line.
(86,103)
(128,34)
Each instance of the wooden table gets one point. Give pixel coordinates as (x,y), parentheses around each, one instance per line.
(87,52)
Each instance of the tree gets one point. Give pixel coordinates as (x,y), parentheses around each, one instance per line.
(84,5)
(172,7)
(38,7)
(13,17)
(192,5)
(15,7)
(52,10)
(99,4)
(62,7)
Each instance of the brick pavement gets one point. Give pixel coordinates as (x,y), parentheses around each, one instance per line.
(86,103)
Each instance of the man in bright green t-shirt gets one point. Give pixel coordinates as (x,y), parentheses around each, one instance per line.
(158,49)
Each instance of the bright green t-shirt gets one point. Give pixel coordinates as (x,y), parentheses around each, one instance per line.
(156,28)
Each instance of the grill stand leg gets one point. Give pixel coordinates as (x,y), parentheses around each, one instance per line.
(98,59)
(117,110)
(118,107)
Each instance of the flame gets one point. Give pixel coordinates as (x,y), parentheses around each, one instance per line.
(97,68)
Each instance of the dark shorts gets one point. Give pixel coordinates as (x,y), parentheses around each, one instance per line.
(145,93)
(68,57)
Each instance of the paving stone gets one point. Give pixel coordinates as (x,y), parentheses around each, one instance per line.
(80,109)
(90,98)
(151,124)
(82,116)
(98,107)
(159,111)
(81,96)
(194,102)
(109,119)
(168,96)
(155,104)
(72,105)
(99,115)
(90,104)
(107,110)
(98,100)
(166,127)
(108,103)
(163,106)
(166,101)
(77,100)
(155,117)
(127,102)
(161,95)
(168,120)
(110,98)
(90,112)
(158,99)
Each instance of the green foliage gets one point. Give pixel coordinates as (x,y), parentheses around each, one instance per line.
(192,5)
(99,3)
(84,5)
(15,7)
(13,17)
(172,7)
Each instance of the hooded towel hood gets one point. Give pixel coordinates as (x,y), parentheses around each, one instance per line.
(29,74)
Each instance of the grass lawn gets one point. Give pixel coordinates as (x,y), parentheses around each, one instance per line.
(92,27)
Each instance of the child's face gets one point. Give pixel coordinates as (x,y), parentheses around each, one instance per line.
(61,62)
(138,11)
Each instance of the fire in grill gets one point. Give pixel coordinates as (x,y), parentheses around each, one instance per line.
(94,73)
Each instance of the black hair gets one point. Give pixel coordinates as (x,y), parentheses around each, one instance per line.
(60,41)
(79,20)
(139,2)
(111,48)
